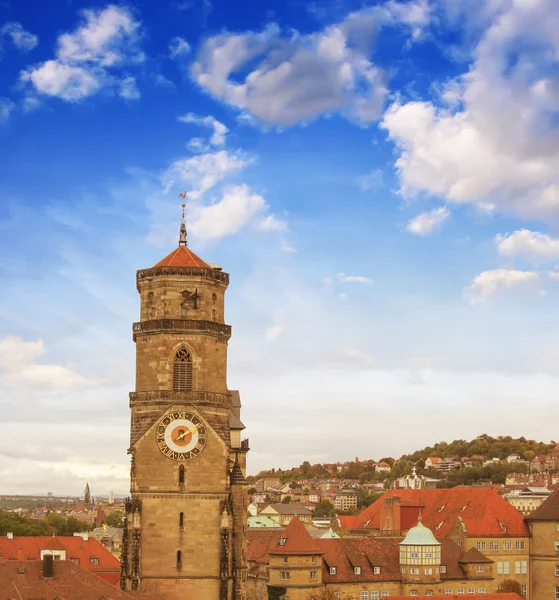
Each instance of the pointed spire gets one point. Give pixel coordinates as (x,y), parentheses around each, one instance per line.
(182,236)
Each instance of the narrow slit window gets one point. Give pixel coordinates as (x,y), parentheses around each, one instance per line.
(182,371)
(179,559)
(181,480)
(181,520)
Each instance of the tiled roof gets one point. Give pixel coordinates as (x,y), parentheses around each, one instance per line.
(290,509)
(294,540)
(23,579)
(548,510)
(473,555)
(29,547)
(182,256)
(373,552)
(482,511)
(366,553)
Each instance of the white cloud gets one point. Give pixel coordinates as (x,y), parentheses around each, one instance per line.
(361,357)
(219,129)
(530,244)
(499,144)
(273,333)
(204,171)
(353,278)
(178,46)
(414,14)
(234,210)
(297,76)
(21,39)
(554,275)
(489,283)
(71,83)
(427,222)
(271,223)
(128,89)
(107,37)
(6,107)
(87,58)
(19,366)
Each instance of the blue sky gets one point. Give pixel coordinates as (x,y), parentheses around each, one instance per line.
(380,179)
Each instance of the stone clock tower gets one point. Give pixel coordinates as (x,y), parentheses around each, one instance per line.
(185,531)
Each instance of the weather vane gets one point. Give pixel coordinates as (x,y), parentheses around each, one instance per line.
(182,237)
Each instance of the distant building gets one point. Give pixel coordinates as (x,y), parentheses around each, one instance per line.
(345,501)
(284,513)
(110,538)
(87,496)
(527,500)
(382,467)
(432,462)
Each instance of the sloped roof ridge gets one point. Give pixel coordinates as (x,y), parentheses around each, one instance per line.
(548,510)
(182,256)
(295,539)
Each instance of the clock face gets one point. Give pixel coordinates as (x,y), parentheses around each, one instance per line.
(181,435)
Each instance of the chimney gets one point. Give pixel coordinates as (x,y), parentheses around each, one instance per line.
(48,566)
(10,535)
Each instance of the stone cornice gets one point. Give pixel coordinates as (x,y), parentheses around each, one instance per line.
(181,326)
(213,274)
(165,397)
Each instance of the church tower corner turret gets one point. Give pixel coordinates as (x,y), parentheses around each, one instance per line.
(185,533)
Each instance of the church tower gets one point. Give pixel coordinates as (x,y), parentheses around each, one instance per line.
(185,532)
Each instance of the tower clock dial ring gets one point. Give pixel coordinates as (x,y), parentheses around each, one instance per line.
(181,435)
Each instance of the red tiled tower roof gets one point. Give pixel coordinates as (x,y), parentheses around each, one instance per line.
(182,257)
(295,539)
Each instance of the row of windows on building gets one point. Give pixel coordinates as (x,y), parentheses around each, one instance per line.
(93,560)
(428,570)
(495,545)
(356,570)
(520,567)
(375,595)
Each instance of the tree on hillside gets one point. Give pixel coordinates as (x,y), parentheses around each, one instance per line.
(286,500)
(324,509)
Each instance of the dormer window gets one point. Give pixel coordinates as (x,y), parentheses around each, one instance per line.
(332,570)
(443,568)
(282,541)
(376,570)
(357,570)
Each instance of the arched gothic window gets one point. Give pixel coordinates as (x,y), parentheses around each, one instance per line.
(182,371)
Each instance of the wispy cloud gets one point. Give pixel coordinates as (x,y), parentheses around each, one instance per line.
(21,38)
(427,222)
(88,59)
